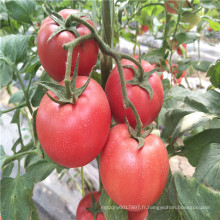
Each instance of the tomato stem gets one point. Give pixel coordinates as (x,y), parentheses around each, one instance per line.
(106,49)
(18,155)
(68,72)
(107,36)
(82,180)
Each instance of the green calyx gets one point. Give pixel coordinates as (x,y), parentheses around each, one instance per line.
(140,138)
(68,93)
(67,24)
(95,208)
(142,81)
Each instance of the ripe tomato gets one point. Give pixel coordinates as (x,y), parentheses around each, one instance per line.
(175,71)
(133,178)
(72,135)
(53,57)
(82,213)
(148,110)
(179,51)
(210,29)
(145,28)
(139,215)
(174,3)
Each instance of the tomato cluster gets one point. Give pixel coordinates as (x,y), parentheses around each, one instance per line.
(73,134)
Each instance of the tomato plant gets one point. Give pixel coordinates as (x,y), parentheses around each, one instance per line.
(53,56)
(147,109)
(134,178)
(90,201)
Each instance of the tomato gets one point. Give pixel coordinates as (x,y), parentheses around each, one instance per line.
(133,178)
(175,71)
(139,215)
(179,51)
(82,213)
(192,19)
(145,28)
(53,57)
(148,110)
(175,4)
(210,29)
(72,135)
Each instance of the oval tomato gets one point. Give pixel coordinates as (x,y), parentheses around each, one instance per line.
(72,135)
(133,178)
(138,215)
(82,213)
(148,110)
(53,57)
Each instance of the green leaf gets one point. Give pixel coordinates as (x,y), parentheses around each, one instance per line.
(21,10)
(16,201)
(208,102)
(110,208)
(3,12)
(39,92)
(208,169)
(186,38)
(183,64)
(154,56)
(38,169)
(187,195)
(127,36)
(172,118)
(17,97)
(97,77)
(10,57)
(16,117)
(3,156)
(194,145)
(214,74)
(159,211)
(202,66)
(7,170)
(190,122)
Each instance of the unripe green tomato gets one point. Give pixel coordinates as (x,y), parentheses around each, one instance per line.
(192,19)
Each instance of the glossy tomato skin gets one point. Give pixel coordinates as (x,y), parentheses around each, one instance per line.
(72,135)
(138,215)
(148,110)
(82,213)
(53,57)
(133,178)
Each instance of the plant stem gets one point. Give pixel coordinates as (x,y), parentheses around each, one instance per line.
(100,181)
(174,34)
(25,92)
(68,72)
(105,49)
(107,36)
(15,156)
(82,179)
(16,107)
